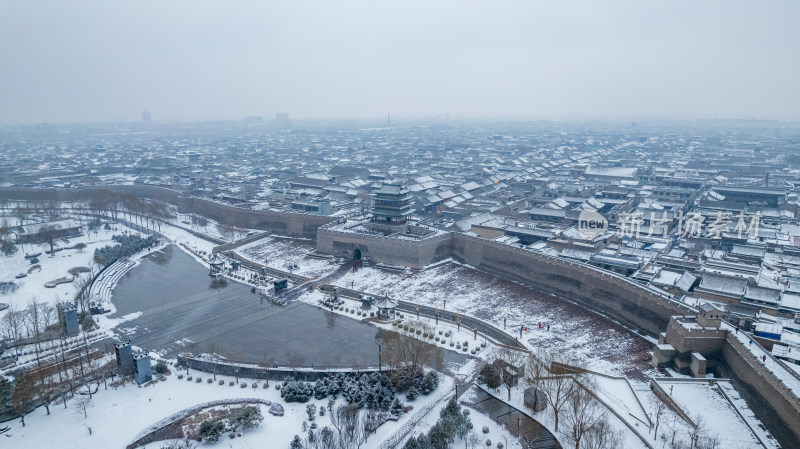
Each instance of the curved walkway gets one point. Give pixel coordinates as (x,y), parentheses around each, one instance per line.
(467,321)
(155,431)
(528,430)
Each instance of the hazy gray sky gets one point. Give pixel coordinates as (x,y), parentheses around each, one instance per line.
(74,61)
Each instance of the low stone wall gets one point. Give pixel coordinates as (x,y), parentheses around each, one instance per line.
(277,374)
(156,432)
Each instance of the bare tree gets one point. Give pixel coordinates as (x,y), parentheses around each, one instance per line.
(673,423)
(697,432)
(41,376)
(558,388)
(215,359)
(658,408)
(191,349)
(341,417)
(47,314)
(23,396)
(602,436)
(266,363)
(512,358)
(234,360)
(709,441)
(47,234)
(473,440)
(35,320)
(352,430)
(13,322)
(409,353)
(582,414)
(203,221)
(22,213)
(81,404)
(535,372)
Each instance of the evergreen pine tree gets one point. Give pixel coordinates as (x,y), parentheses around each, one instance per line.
(438,436)
(411,443)
(311,411)
(321,389)
(396,408)
(412,393)
(429,383)
(402,380)
(419,378)
(296,443)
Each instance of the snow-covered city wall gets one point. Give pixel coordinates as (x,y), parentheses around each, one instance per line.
(595,289)
(382,249)
(764,387)
(284,223)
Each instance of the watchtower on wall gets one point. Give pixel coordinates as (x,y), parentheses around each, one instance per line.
(392,205)
(709,316)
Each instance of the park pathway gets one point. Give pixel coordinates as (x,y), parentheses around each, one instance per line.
(530,433)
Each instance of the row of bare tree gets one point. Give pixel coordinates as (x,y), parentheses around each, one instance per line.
(569,392)
(106,203)
(61,368)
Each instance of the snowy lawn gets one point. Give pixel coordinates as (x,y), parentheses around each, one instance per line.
(52,267)
(118,417)
(701,400)
(282,253)
(605,346)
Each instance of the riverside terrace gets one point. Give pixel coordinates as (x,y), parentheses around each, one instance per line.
(178,302)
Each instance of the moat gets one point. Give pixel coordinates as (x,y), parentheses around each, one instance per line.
(178,302)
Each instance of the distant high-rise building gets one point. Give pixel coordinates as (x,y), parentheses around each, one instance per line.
(145,117)
(282,117)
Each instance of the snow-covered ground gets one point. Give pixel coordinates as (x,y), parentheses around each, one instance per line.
(704,401)
(52,267)
(118,416)
(283,253)
(458,334)
(545,417)
(605,346)
(619,394)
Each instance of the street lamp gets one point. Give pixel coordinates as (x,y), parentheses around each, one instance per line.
(378,341)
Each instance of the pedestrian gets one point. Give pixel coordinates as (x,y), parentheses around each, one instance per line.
(548,328)
(540,324)
(764,358)
(751,343)
(737,329)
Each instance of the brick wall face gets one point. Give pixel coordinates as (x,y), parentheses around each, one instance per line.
(779,405)
(704,341)
(592,288)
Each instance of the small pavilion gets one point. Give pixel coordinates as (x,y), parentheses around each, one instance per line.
(217,266)
(386,309)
